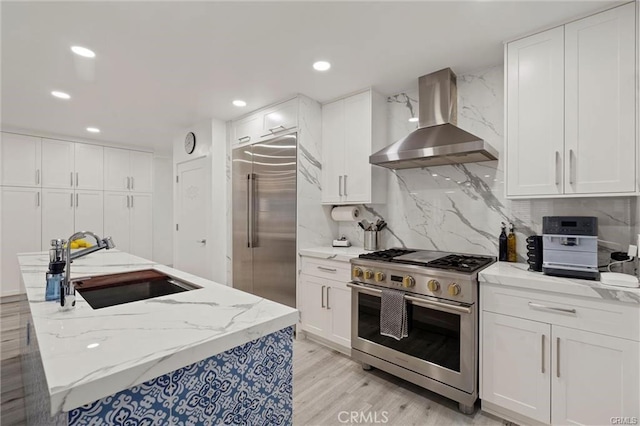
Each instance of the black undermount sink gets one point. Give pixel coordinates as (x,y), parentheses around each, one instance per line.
(115,289)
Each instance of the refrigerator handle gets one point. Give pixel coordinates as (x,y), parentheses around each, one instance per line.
(249,208)
(254,210)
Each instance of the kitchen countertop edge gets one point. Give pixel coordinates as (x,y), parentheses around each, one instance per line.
(342,254)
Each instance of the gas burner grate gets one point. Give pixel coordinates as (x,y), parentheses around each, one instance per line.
(385,255)
(461,263)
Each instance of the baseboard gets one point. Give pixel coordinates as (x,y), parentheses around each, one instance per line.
(507,414)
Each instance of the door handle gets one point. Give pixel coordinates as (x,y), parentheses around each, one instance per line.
(557,159)
(322,296)
(542,352)
(128,183)
(340,185)
(38,198)
(71,179)
(557,357)
(132,182)
(273,130)
(76,179)
(328,288)
(77,198)
(202,241)
(71,201)
(244,139)
(345,184)
(571,166)
(132,201)
(37,176)
(249,201)
(128,201)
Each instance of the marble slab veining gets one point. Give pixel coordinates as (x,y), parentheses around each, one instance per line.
(137,341)
(516,275)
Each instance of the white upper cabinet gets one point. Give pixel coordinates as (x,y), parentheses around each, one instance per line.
(20,160)
(57,164)
(600,114)
(128,220)
(265,123)
(535,127)
(246,130)
(352,129)
(89,167)
(126,170)
(57,215)
(571,108)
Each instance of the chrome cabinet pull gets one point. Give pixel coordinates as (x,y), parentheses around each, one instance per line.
(557,357)
(128,183)
(38,198)
(202,241)
(37,176)
(249,201)
(324,268)
(244,139)
(132,201)
(571,166)
(77,198)
(551,308)
(557,167)
(132,182)
(71,179)
(71,204)
(345,185)
(127,201)
(340,185)
(76,179)
(322,297)
(542,354)
(328,288)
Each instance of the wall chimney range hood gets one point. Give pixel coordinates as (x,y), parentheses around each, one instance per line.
(438,140)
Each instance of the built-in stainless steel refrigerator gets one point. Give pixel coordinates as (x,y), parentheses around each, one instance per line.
(264,219)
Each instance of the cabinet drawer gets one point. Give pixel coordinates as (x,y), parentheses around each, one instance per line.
(604,317)
(330,269)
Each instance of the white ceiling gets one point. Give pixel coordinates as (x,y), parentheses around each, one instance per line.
(162,66)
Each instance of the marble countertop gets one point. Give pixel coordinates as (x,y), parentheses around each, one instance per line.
(516,275)
(343,254)
(89,354)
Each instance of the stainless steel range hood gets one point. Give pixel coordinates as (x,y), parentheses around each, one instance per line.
(437,140)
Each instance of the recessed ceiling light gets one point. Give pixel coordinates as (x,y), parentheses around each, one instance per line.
(239,103)
(413,119)
(93,130)
(61,95)
(321,65)
(83,51)
(434,175)
(93,345)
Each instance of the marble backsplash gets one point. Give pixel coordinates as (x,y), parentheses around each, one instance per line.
(460,207)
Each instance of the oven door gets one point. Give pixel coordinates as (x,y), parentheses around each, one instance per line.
(441,345)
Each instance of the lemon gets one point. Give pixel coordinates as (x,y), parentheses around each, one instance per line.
(74,245)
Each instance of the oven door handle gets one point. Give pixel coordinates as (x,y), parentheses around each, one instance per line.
(439,306)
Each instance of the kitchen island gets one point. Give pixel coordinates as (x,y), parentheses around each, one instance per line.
(207,356)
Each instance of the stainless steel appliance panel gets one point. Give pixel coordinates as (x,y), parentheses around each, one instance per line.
(242,169)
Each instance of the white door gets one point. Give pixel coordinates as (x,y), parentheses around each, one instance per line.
(116,169)
(333,123)
(117,207)
(89,213)
(191,252)
(516,360)
(339,308)
(20,221)
(313,305)
(57,215)
(535,114)
(600,102)
(57,164)
(89,166)
(20,158)
(141,225)
(357,170)
(141,171)
(594,377)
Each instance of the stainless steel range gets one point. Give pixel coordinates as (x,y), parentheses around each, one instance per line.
(441,291)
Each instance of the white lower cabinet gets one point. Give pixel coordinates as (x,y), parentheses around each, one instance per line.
(57,215)
(128,221)
(540,371)
(89,211)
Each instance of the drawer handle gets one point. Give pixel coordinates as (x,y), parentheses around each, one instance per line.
(324,268)
(244,139)
(539,306)
(322,297)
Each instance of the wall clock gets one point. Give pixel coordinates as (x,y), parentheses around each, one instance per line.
(190,143)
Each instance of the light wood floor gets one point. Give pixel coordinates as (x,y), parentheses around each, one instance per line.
(11,389)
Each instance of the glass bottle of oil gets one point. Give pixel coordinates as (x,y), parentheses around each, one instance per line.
(512,256)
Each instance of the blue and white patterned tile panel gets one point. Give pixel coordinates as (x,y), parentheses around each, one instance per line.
(251,384)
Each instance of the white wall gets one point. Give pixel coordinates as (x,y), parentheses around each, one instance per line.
(162,210)
(210,143)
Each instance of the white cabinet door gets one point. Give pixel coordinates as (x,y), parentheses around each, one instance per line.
(535,114)
(57,164)
(116,169)
(20,221)
(116,219)
(141,225)
(516,365)
(57,215)
(357,148)
(141,171)
(20,159)
(280,118)
(333,140)
(594,377)
(247,129)
(89,212)
(600,110)
(312,304)
(339,307)
(89,166)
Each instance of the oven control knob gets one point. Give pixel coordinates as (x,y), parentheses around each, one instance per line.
(380,276)
(454,289)
(368,274)
(408,281)
(357,272)
(433,285)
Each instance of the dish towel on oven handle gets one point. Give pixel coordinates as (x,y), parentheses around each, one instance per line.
(393,314)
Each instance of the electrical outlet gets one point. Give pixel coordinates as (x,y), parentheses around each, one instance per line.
(633,251)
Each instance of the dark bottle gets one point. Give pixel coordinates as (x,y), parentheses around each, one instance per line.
(502,252)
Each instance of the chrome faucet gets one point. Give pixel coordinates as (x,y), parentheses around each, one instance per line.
(67,291)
